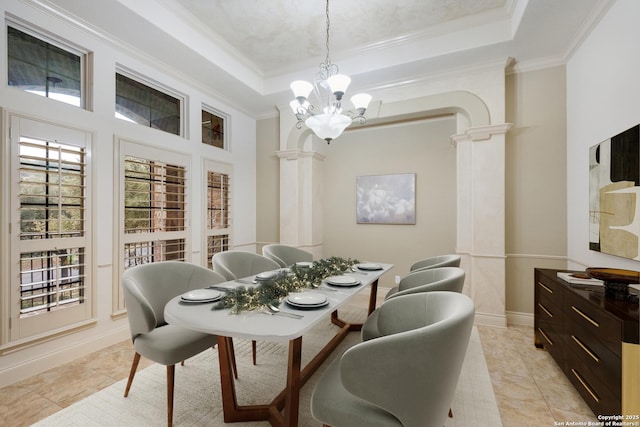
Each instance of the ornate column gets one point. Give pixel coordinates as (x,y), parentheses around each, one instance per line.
(301,199)
(481,218)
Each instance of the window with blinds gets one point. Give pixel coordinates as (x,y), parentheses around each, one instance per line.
(48,285)
(52,208)
(154,202)
(218,211)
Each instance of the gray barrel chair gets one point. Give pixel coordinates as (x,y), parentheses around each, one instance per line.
(238,264)
(147,289)
(286,255)
(407,377)
(451,260)
(437,279)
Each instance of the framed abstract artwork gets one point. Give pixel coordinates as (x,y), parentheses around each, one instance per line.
(614,195)
(386,199)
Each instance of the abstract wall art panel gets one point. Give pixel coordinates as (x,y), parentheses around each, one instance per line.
(386,199)
(614,195)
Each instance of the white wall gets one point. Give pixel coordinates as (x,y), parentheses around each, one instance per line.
(105,128)
(423,148)
(603,99)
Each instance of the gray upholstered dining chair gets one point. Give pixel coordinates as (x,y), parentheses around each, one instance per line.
(147,289)
(407,377)
(286,255)
(437,279)
(451,260)
(237,264)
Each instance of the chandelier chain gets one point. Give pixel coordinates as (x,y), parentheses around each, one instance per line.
(327,59)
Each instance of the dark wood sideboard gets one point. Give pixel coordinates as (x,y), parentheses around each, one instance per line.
(594,339)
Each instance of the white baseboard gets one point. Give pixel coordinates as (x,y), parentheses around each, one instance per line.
(50,360)
(520,319)
(490,319)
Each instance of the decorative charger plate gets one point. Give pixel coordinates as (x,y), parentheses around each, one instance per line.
(342,281)
(266,275)
(201,295)
(307,300)
(303,263)
(369,266)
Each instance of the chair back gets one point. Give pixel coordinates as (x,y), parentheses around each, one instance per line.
(148,288)
(451,260)
(413,369)
(286,255)
(237,264)
(434,279)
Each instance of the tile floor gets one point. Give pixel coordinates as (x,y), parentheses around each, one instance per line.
(530,388)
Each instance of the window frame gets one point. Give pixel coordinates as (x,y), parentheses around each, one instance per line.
(124,148)
(22,330)
(85,55)
(155,85)
(225,130)
(209,165)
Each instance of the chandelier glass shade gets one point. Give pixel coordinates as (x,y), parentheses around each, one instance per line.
(326,118)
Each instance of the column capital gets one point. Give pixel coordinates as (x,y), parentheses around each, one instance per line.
(299,154)
(481,133)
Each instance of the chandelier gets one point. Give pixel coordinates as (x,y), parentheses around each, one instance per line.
(326,119)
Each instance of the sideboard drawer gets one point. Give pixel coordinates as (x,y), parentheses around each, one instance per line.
(602,329)
(601,366)
(594,392)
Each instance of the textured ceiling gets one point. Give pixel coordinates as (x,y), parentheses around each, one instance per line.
(298,27)
(246,52)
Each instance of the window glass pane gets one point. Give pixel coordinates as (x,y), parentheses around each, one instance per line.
(39,67)
(51,280)
(217,200)
(52,185)
(139,103)
(216,244)
(212,129)
(154,196)
(158,250)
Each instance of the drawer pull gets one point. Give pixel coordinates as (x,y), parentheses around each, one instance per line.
(587,318)
(545,336)
(545,287)
(584,347)
(545,310)
(585,385)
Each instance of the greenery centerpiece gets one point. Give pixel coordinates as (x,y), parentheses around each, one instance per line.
(272,291)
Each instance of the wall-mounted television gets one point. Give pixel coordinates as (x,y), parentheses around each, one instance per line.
(614,195)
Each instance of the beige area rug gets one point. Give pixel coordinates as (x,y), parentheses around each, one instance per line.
(198,399)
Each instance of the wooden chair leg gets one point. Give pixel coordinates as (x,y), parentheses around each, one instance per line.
(182,363)
(171,369)
(253,351)
(450,413)
(232,356)
(132,372)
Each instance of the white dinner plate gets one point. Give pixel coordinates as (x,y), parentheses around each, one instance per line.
(266,275)
(201,295)
(342,281)
(369,266)
(304,264)
(307,299)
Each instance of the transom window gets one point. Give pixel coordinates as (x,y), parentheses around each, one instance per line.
(41,67)
(213,129)
(142,104)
